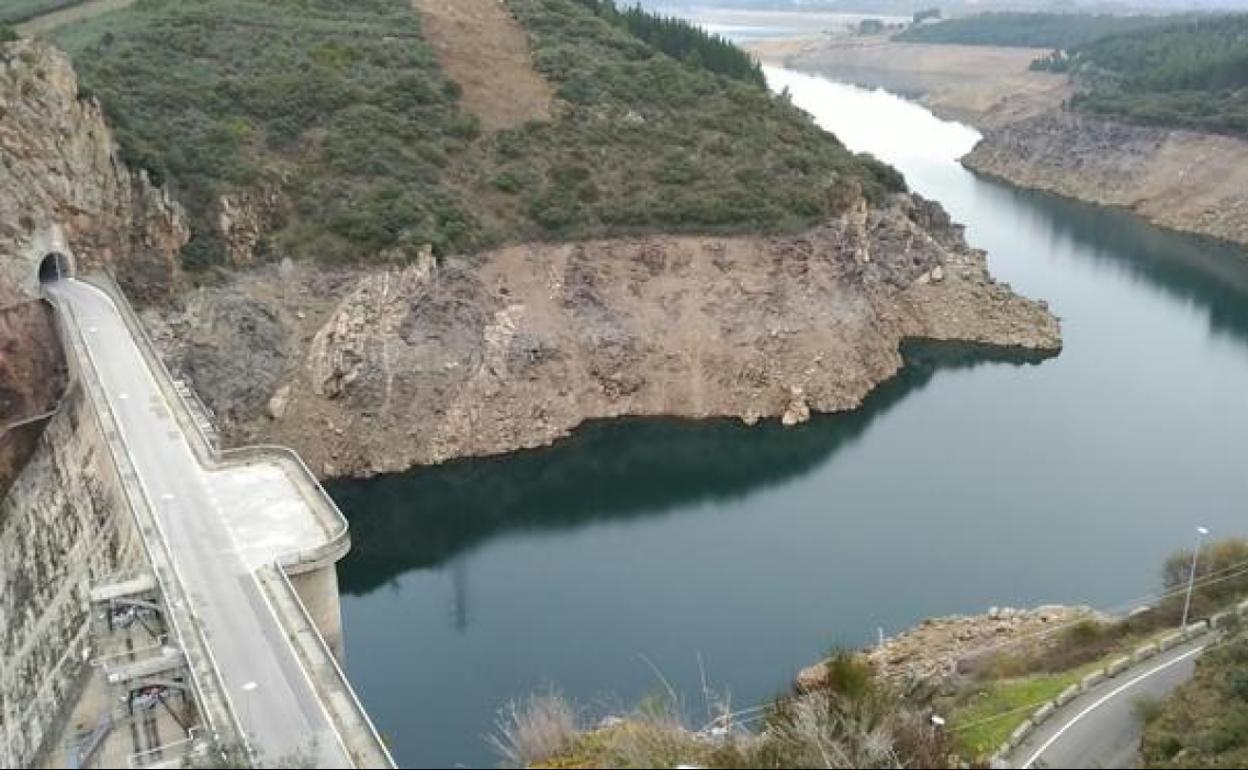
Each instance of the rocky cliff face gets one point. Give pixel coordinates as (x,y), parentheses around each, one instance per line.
(375,370)
(66,187)
(32,378)
(1182,180)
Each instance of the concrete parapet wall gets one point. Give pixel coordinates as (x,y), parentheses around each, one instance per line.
(1117,666)
(1145,652)
(1044,712)
(319,503)
(63,525)
(302,586)
(1170,641)
(1020,734)
(1092,680)
(1199,628)
(360,740)
(1067,695)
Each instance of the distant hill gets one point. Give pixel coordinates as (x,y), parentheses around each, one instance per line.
(1190,73)
(1029,30)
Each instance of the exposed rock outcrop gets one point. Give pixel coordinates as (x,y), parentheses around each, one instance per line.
(932,651)
(66,187)
(32,378)
(1182,180)
(374,370)
(243,219)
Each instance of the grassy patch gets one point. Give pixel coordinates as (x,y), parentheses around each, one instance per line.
(996,710)
(1191,72)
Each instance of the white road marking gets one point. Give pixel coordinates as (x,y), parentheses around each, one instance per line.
(232,538)
(1104,699)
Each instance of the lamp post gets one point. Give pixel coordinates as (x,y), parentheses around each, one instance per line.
(248,689)
(1191,578)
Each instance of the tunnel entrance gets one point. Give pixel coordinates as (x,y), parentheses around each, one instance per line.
(54,267)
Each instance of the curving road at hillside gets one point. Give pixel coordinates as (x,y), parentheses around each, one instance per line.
(1100,728)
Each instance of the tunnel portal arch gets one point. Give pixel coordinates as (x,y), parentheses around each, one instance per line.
(54,266)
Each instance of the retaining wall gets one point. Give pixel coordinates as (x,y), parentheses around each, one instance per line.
(64,525)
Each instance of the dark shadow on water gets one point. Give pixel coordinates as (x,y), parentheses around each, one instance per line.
(610,470)
(1208,273)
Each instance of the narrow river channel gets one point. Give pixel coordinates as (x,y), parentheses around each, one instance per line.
(747,552)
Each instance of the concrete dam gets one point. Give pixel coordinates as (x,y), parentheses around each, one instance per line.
(164,600)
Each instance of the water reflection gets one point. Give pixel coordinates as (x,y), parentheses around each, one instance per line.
(620,469)
(1208,274)
(753,549)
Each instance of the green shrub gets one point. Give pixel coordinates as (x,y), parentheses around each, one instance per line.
(1029,29)
(848,674)
(340,106)
(1146,709)
(1190,71)
(681,40)
(1206,718)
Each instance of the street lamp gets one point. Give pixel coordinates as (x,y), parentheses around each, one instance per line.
(1191,578)
(248,689)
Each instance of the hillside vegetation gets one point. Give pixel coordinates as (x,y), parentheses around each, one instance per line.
(1028,30)
(14,11)
(1190,74)
(1205,722)
(340,109)
(681,40)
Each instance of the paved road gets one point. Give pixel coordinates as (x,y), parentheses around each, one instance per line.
(219,526)
(1100,728)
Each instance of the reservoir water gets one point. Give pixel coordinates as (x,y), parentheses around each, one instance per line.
(745,553)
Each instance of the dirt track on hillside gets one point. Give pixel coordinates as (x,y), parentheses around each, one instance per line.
(484,49)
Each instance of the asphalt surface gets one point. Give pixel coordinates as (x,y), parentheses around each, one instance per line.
(219,526)
(1100,727)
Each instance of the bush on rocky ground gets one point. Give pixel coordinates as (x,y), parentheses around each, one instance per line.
(853,721)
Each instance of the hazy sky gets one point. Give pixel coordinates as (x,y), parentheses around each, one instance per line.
(961,6)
